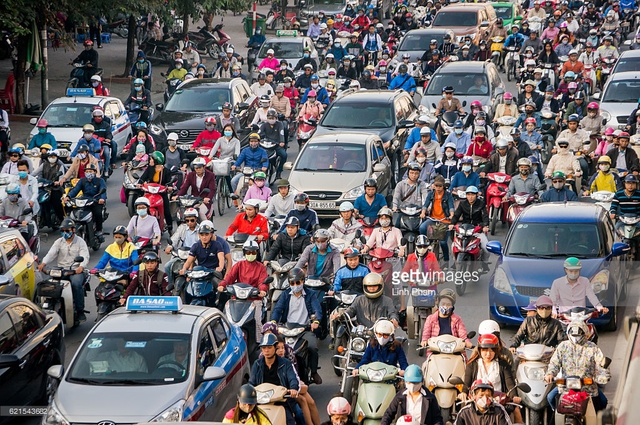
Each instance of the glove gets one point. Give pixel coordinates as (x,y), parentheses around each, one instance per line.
(93,271)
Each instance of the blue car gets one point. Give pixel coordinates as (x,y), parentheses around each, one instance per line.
(539,241)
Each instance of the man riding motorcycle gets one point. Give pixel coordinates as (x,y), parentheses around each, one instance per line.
(120,255)
(373,305)
(474,211)
(558,192)
(150,281)
(346,226)
(290,244)
(94,187)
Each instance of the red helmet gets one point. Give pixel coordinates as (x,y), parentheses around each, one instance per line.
(210,120)
(476,104)
(479,383)
(623,135)
(593,105)
(42,123)
(488,341)
(88,43)
(530,121)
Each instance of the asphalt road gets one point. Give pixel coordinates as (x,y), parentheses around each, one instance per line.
(473,306)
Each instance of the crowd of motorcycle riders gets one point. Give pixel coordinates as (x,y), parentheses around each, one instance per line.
(585,156)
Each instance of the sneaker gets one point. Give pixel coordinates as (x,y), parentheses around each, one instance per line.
(332,346)
(316,378)
(82,317)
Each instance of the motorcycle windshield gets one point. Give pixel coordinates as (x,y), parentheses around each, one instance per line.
(199,288)
(239,311)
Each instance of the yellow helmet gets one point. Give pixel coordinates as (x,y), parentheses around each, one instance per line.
(254,136)
(46,146)
(604,159)
(88,127)
(19,145)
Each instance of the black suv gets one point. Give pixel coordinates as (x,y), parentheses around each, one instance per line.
(196,99)
(388,114)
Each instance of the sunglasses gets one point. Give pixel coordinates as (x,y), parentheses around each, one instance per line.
(190,220)
(557,181)
(296,283)
(438,185)
(15,156)
(379,335)
(544,307)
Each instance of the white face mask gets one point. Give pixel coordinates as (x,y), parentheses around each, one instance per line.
(296,289)
(483,402)
(558,185)
(52,160)
(385,223)
(413,387)
(466,168)
(449,154)
(315,85)
(382,340)
(421,160)
(301,207)
(573,275)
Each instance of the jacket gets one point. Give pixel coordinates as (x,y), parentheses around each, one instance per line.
(308,219)
(347,232)
(495,415)
(580,359)
(120,259)
(280,313)
(368,310)
(74,169)
(40,139)
(286,373)
(279,205)
(254,158)
(432,327)
(405,193)
(208,181)
(630,155)
(165,177)
(536,330)
(562,195)
(475,214)
(430,411)
(90,188)
(309,259)
(253,273)
(507,379)
(156,284)
(510,167)
(288,248)
(567,163)
(377,353)
(447,203)
(258,416)
(348,279)
(258,226)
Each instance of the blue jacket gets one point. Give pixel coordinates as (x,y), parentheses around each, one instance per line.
(322,96)
(94,147)
(352,278)
(447,171)
(555,195)
(404,82)
(447,202)
(460,179)
(414,137)
(90,188)
(122,260)
(520,121)
(461,141)
(338,53)
(308,218)
(40,139)
(286,373)
(384,355)
(254,158)
(139,70)
(514,40)
(280,313)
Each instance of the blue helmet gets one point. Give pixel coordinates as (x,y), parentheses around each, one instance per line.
(472,189)
(533,159)
(16,150)
(413,373)
(13,189)
(466,160)
(315,77)
(458,124)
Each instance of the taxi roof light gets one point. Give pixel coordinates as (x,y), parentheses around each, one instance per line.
(146,303)
(80,92)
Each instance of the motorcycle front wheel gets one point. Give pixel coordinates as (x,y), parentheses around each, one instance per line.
(493,214)
(464,263)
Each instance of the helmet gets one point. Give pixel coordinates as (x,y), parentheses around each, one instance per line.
(534,160)
(138,82)
(88,128)
(385,211)
(312,93)
(271,113)
(315,77)
(502,143)
(321,234)
(46,146)
(623,135)
(558,175)
(563,25)
(609,131)
(573,118)
(259,175)
(384,327)
(604,159)
(249,246)
(466,160)
(265,101)
(88,43)
(488,341)
(121,230)
(142,201)
(569,74)
(198,162)
(630,178)
(579,95)
(507,96)
(172,136)
(209,120)
(370,183)
(301,197)
(406,56)
(435,52)
(373,279)
(448,293)
(530,62)
(449,145)
(52,152)
(593,105)
(488,327)
(346,206)
(524,162)
(268,340)
(402,69)
(282,183)
(150,256)
(339,406)
(42,123)
(67,223)
(90,167)
(479,383)
(158,157)
(247,394)
(296,275)
(13,189)
(83,148)
(351,252)
(476,104)
(572,263)
(413,166)
(253,203)
(530,120)
(191,212)
(254,136)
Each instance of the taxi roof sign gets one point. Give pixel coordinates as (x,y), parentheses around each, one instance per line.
(287,33)
(145,303)
(84,92)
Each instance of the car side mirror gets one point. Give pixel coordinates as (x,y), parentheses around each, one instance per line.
(33,121)
(596,96)
(617,250)
(379,168)
(27,211)
(494,247)
(55,371)
(9,360)
(456,380)
(159,106)
(213,373)
(288,165)
(405,124)
(464,103)
(243,106)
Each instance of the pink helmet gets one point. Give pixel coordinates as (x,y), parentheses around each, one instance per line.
(476,104)
(563,25)
(42,123)
(593,105)
(572,85)
(382,63)
(312,93)
(338,406)
(507,95)
(609,131)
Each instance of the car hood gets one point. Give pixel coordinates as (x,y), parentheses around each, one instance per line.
(323,181)
(88,403)
(330,10)
(461,31)
(527,271)
(62,134)
(182,120)
(618,110)
(385,134)
(427,101)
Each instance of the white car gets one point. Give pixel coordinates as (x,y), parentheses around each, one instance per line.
(288,45)
(67,115)
(619,98)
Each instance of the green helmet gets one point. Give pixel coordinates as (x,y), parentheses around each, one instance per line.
(559,175)
(572,263)
(158,157)
(259,175)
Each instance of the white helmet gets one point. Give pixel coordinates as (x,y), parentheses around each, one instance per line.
(205,222)
(346,206)
(199,161)
(172,136)
(191,212)
(488,327)
(96,78)
(530,62)
(142,201)
(354,84)
(323,26)
(384,327)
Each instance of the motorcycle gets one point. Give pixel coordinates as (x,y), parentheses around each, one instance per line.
(505,125)
(375,392)
(422,300)
(368,224)
(274,159)
(605,67)
(292,333)
(306,127)
(466,252)
(172,85)
(47,216)
(446,123)
(136,113)
(549,73)
(629,232)
(109,290)
(280,282)
(318,286)
(212,43)
(158,50)
(119,28)
(76,78)
(271,399)
(496,206)
(153,192)
(603,198)
(130,191)
(185,202)
(252,54)
(179,281)
(519,201)
(497,44)
(549,132)
(512,60)
(532,368)
(353,343)
(201,286)
(574,404)
(82,215)
(55,293)
(581,314)
(379,263)
(410,225)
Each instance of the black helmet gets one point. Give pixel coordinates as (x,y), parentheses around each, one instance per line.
(402,69)
(435,52)
(121,230)
(150,256)
(414,166)
(67,223)
(247,394)
(90,167)
(371,183)
(301,197)
(296,275)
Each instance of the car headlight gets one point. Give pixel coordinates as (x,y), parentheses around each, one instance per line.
(534,373)
(447,347)
(155,129)
(501,282)
(53,416)
(358,344)
(172,414)
(600,282)
(354,193)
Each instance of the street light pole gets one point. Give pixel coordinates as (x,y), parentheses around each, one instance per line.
(44,72)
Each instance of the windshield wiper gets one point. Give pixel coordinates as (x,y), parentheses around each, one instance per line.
(529,254)
(87,381)
(564,254)
(306,169)
(330,126)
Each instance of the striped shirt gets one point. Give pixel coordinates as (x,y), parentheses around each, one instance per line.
(624,204)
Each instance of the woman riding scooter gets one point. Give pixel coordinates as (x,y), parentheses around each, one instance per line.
(383,347)
(444,321)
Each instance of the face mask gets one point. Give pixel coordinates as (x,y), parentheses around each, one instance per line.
(449,154)
(483,47)
(421,160)
(173,143)
(385,223)
(297,289)
(347,64)
(251,257)
(142,139)
(13,198)
(88,136)
(228,133)
(52,160)
(322,245)
(119,241)
(383,68)
(466,168)
(287,85)
(271,121)
(480,123)
(142,212)
(138,88)
(548,96)
(573,275)
(445,311)
(576,339)
(141,60)
(235,73)
(604,167)
(483,402)
(95,84)
(67,235)
(565,41)
(90,176)
(508,101)
(22,174)
(301,207)
(82,155)
(468,43)
(315,85)
(458,131)
(479,139)
(382,340)
(306,55)
(558,185)
(544,313)
(413,387)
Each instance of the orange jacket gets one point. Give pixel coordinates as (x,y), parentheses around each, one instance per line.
(258,226)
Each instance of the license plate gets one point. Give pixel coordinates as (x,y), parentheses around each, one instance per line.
(184,147)
(322,205)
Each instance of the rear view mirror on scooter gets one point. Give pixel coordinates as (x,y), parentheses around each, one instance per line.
(605,362)
(268,280)
(78,259)
(456,380)
(471,334)
(524,387)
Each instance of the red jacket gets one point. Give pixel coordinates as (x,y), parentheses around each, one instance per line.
(207,138)
(252,272)
(208,181)
(259,226)
(483,151)
(101,90)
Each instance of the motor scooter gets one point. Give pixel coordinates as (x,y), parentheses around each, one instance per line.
(603,198)
(47,216)
(605,67)
(375,392)
(130,191)
(532,368)
(368,224)
(629,231)
(179,281)
(136,113)
(352,340)
(109,290)
(519,201)
(306,127)
(497,45)
(153,192)
(82,215)
(574,403)
(172,85)
(55,293)
(505,125)
(280,269)
(422,300)
(549,132)
(252,54)
(201,286)
(466,252)
(379,263)
(271,399)
(185,202)
(292,333)
(410,225)
(496,205)
(76,78)
(584,315)
(319,286)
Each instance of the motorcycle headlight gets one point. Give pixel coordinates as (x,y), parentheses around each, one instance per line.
(183,254)
(305,134)
(348,298)
(501,282)
(264,397)
(354,193)
(243,293)
(358,344)
(53,416)
(600,282)
(314,283)
(446,347)
(469,232)
(409,210)
(172,414)
(521,199)
(574,383)
(55,273)
(375,375)
(198,274)
(155,130)
(237,256)
(81,203)
(534,373)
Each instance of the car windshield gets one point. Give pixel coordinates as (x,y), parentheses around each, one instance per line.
(504,12)
(198,99)
(464,84)
(344,158)
(455,19)
(343,115)
(628,64)
(549,240)
(622,91)
(136,358)
(413,42)
(68,114)
(282,50)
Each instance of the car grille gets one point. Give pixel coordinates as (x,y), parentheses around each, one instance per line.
(622,119)
(324,196)
(531,291)
(186,136)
